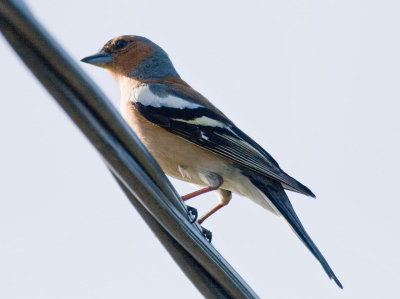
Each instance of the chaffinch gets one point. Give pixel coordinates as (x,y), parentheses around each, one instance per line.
(191,139)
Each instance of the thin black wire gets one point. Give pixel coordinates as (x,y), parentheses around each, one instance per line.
(136,171)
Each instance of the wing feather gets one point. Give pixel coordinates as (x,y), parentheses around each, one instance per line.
(211,130)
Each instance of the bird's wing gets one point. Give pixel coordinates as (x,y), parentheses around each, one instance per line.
(181,115)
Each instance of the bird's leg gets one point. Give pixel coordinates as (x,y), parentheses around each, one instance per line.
(226,197)
(214,181)
(198,192)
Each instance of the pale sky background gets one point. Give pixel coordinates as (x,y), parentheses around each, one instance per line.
(316,83)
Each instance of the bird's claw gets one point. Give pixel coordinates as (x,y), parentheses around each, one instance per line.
(192,214)
(207,234)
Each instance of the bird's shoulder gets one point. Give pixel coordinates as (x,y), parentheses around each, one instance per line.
(173,93)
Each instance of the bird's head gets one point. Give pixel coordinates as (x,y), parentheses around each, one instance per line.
(135,57)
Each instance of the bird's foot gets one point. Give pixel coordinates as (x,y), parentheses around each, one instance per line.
(207,234)
(192,214)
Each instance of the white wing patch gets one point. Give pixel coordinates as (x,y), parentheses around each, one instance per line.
(204,136)
(143,95)
(203,121)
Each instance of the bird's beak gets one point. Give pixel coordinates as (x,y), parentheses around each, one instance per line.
(99,59)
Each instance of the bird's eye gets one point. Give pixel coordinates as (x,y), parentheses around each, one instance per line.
(121,43)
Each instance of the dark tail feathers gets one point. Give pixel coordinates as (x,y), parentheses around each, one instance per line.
(276,194)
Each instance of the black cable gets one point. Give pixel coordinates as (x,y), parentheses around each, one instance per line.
(137,172)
